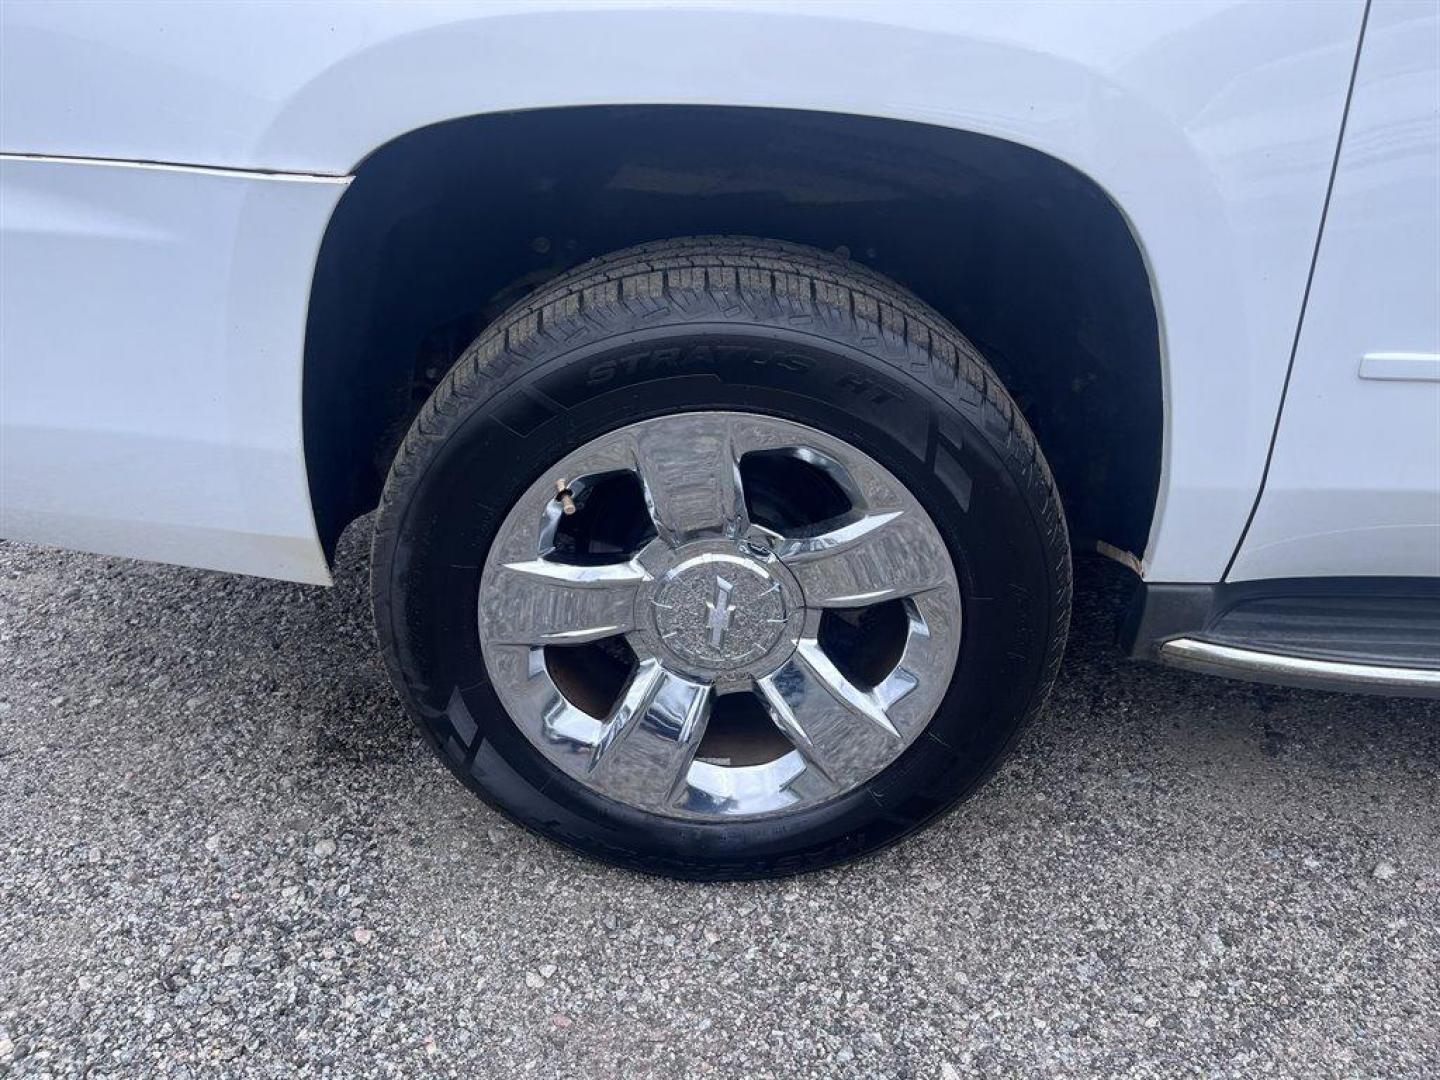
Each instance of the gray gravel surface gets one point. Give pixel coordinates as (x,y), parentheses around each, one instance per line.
(224,851)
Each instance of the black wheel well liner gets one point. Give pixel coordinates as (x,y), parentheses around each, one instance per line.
(445,227)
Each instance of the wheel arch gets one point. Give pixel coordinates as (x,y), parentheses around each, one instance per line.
(444,227)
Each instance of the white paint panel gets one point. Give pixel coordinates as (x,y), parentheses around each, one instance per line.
(1354,487)
(151,329)
(1212,124)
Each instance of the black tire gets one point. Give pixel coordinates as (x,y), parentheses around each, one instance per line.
(737,324)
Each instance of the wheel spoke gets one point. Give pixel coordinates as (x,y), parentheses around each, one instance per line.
(691,475)
(880,556)
(651,738)
(840,729)
(549,603)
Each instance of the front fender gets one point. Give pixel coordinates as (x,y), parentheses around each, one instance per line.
(1211,125)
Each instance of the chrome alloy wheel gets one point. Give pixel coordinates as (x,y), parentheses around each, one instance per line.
(718,614)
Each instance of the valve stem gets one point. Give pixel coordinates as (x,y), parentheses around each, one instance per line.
(566,497)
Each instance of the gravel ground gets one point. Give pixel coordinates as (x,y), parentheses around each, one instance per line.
(222,850)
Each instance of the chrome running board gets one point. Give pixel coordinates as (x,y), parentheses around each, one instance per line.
(1238,663)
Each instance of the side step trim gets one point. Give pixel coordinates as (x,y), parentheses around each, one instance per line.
(1212,659)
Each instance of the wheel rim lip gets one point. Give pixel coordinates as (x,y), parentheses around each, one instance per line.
(710,791)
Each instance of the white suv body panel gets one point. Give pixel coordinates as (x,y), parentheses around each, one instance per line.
(151,329)
(163,420)
(1354,482)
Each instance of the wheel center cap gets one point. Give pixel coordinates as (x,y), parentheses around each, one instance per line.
(719,612)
